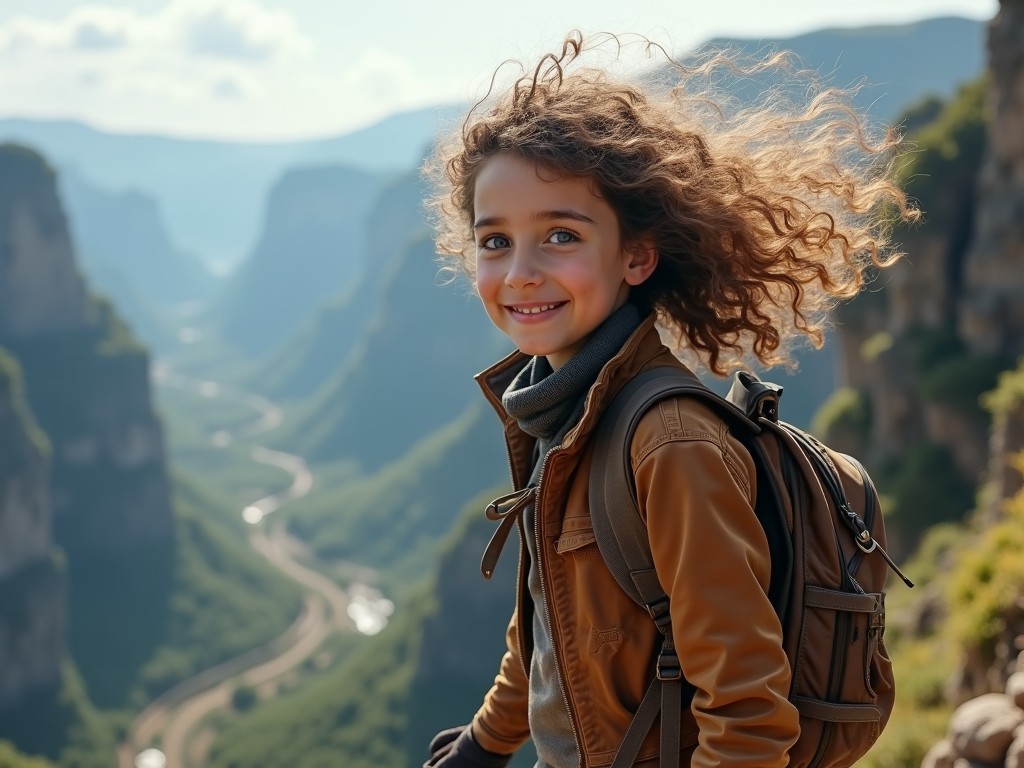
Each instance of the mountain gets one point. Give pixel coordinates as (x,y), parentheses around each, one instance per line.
(33,579)
(127,254)
(212,192)
(428,670)
(392,519)
(314,354)
(398,385)
(312,248)
(897,65)
(86,379)
(101,576)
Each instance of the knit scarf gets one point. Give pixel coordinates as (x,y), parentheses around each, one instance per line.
(545,401)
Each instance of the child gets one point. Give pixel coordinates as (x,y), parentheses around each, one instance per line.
(590,215)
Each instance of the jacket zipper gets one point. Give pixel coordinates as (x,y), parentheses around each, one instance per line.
(547,610)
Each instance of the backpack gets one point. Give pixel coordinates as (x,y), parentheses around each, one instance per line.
(821,515)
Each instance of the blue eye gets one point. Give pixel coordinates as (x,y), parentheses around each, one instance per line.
(562,237)
(494,242)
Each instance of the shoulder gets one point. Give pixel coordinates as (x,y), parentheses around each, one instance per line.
(688,430)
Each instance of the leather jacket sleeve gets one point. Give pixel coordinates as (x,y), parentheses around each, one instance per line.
(501,724)
(696,490)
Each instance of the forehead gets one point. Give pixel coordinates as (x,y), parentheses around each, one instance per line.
(508,183)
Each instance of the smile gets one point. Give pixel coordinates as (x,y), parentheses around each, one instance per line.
(534,310)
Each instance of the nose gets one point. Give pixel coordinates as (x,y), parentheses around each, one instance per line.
(522,268)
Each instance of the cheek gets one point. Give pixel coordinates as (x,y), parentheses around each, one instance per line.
(488,280)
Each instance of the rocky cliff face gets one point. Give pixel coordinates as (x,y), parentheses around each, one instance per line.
(33,595)
(40,290)
(922,345)
(86,381)
(311,249)
(991,314)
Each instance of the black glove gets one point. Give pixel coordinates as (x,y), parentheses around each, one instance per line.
(456,748)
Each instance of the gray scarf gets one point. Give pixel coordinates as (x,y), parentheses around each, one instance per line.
(545,401)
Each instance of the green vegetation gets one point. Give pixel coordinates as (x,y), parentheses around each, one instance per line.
(11,758)
(874,346)
(988,581)
(947,157)
(845,418)
(381,705)
(244,698)
(152,616)
(924,489)
(1008,393)
(961,381)
(12,392)
(68,374)
(62,725)
(393,519)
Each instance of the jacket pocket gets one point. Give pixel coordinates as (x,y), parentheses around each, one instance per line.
(573,542)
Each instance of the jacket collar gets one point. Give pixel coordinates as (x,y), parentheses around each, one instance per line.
(640,350)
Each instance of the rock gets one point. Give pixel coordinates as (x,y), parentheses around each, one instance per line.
(1015,688)
(983,728)
(942,755)
(1015,754)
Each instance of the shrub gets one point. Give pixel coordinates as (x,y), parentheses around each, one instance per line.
(844,417)
(961,381)
(988,581)
(244,698)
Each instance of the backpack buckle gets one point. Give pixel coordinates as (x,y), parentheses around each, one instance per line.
(660,614)
(668,667)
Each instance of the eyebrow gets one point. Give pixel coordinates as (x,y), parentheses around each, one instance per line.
(560,213)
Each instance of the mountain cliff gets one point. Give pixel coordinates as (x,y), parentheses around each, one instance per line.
(127,254)
(320,349)
(33,588)
(86,380)
(311,249)
(398,384)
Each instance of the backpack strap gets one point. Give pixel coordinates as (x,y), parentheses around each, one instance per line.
(622,535)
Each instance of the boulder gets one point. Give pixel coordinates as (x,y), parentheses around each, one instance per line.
(982,729)
(1015,688)
(1015,754)
(942,755)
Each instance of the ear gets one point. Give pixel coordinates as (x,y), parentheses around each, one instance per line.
(642,258)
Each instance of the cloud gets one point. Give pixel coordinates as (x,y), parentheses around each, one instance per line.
(241,29)
(227,88)
(89,36)
(241,68)
(228,29)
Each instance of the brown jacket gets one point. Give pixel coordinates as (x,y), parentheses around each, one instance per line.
(696,491)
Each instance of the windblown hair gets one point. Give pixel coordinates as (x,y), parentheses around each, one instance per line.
(763,217)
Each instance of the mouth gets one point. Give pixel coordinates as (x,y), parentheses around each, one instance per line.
(533,309)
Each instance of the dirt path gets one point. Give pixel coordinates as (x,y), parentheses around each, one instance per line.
(171,719)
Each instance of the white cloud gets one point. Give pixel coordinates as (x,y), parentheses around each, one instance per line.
(241,29)
(229,29)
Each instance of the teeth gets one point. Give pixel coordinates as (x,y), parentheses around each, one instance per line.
(533,310)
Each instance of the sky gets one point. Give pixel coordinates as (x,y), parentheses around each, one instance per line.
(258,70)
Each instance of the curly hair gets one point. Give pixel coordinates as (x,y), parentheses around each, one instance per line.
(763,216)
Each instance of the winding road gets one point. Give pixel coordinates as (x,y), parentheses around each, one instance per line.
(172,720)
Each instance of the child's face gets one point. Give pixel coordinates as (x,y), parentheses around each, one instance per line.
(550,266)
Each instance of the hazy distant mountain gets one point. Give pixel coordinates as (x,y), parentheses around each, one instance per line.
(398,385)
(212,193)
(312,248)
(320,349)
(899,65)
(127,255)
